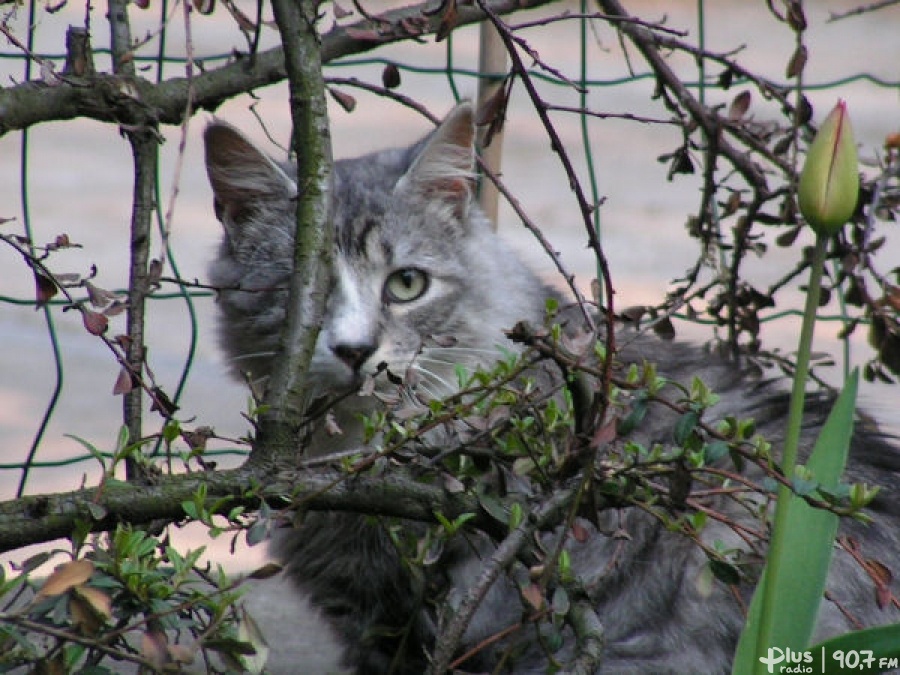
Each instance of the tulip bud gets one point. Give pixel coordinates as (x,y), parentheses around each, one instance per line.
(829,182)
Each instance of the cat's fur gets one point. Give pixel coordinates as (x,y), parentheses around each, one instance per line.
(404,213)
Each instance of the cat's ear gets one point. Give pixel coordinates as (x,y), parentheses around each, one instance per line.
(443,169)
(243,178)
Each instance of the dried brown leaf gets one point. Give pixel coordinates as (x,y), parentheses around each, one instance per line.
(882,576)
(205,7)
(783,145)
(197,438)
(340,12)
(796,18)
(90,607)
(346,101)
(580,533)
(787,238)
(533,595)
(66,576)
(154,272)
(805,111)
(634,313)
(94,322)
(664,328)
(892,296)
(53,665)
(116,308)
(99,297)
(124,383)
(390,76)
(605,433)
(154,647)
(243,21)
(732,204)
(739,106)
(798,61)
(880,572)
(267,571)
(183,654)
(162,403)
(891,142)
(44,288)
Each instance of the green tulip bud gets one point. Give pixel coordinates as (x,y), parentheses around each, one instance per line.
(829,182)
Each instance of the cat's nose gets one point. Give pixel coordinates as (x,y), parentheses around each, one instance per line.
(354,355)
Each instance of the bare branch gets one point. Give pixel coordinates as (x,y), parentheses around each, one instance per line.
(502,557)
(121,99)
(862,9)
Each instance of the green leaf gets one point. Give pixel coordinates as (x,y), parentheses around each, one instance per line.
(98,511)
(516,515)
(685,426)
(725,572)
(171,431)
(882,641)
(190,508)
(634,418)
(713,452)
(91,448)
(808,544)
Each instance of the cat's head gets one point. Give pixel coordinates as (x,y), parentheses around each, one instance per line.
(420,282)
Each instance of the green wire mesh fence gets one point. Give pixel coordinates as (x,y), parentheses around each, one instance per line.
(46,168)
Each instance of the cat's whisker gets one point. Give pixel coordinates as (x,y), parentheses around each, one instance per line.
(430,373)
(253,355)
(493,353)
(433,378)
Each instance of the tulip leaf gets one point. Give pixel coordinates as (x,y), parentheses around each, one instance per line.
(808,544)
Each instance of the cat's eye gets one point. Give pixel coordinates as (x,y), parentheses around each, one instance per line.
(405,285)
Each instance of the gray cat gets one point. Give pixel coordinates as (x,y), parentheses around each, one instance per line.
(421,283)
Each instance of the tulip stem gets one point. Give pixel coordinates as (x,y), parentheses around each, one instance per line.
(792,439)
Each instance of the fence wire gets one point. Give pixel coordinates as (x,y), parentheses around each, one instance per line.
(25,463)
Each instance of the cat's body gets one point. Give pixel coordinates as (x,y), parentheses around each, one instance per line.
(422,283)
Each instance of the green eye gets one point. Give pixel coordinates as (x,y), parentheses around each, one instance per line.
(405,285)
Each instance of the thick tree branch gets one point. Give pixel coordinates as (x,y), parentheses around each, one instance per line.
(37,519)
(120,99)
(280,426)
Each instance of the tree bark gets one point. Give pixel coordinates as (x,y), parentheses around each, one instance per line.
(114,99)
(280,427)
